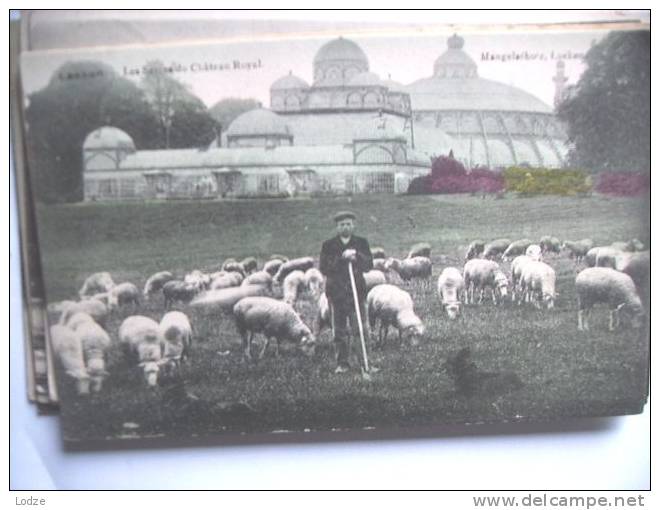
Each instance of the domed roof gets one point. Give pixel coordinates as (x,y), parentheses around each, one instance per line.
(259,121)
(108,137)
(340,49)
(394,86)
(289,81)
(365,79)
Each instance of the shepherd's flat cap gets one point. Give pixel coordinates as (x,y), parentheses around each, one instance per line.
(343,215)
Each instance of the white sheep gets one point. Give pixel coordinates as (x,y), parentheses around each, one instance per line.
(315,283)
(176,333)
(578,249)
(299,264)
(95,344)
(538,283)
(516,248)
(495,248)
(213,301)
(416,267)
(294,282)
(178,291)
(602,256)
(273,318)
(475,249)
(614,288)
(123,294)
(480,274)
(450,291)
(420,250)
(231,265)
(534,252)
(198,278)
(229,279)
(155,283)
(96,283)
(69,352)
(393,307)
(373,278)
(516,274)
(97,309)
(140,339)
(77,319)
(637,265)
(259,278)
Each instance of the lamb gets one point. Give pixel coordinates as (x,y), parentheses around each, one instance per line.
(538,283)
(420,250)
(373,278)
(481,273)
(415,267)
(176,334)
(273,318)
(155,283)
(606,285)
(123,294)
(578,249)
(140,339)
(550,244)
(96,283)
(272,266)
(178,291)
(450,291)
(95,343)
(534,252)
(293,284)
(68,349)
(259,278)
(393,306)
(95,308)
(314,283)
(249,264)
(299,264)
(516,248)
(230,279)
(475,249)
(495,248)
(378,253)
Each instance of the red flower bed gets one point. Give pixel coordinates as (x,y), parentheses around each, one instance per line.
(624,184)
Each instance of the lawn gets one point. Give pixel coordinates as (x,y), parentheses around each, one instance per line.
(529,364)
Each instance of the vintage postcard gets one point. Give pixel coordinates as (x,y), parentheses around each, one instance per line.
(344,231)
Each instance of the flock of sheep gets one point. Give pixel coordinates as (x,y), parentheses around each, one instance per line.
(266,301)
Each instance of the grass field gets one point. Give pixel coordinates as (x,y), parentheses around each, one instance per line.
(561,372)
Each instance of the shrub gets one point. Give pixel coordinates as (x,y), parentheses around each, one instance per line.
(546,181)
(420,185)
(623,183)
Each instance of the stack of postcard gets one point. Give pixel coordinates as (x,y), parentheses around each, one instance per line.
(249,228)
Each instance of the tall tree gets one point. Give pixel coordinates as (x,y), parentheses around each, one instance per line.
(608,110)
(81,96)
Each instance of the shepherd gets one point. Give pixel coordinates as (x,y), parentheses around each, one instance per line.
(344,260)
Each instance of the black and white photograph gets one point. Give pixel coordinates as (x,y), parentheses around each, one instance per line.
(343,230)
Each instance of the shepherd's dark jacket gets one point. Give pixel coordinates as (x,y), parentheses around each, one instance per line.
(335,269)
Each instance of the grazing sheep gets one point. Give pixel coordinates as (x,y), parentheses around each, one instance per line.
(420,250)
(228,280)
(96,283)
(637,265)
(495,248)
(378,253)
(259,278)
(602,256)
(178,291)
(272,266)
(578,249)
(68,349)
(198,278)
(475,249)
(293,284)
(123,294)
(416,267)
(224,299)
(249,264)
(516,274)
(538,283)
(373,278)
(614,288)
(155,283)
(94,307)
(516,248)
(140,339)
(176,334)
(299,264)
(231,265)
(393,307)
(480,274)
(379,264)
(550,244)
(95,343)
(314,283)
(273,318)
(450,291)
(534,252)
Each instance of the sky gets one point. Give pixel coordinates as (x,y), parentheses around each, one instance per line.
(403,55)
